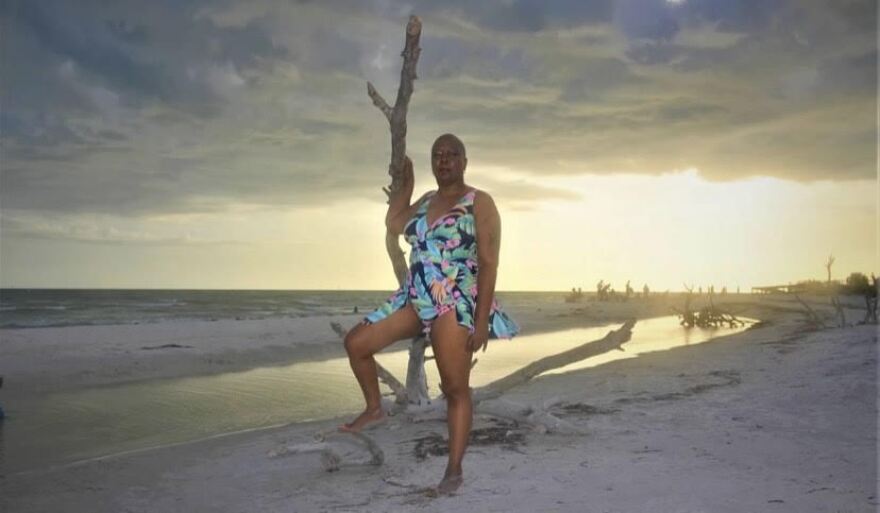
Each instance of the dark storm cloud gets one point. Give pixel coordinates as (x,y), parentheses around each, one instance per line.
(143,61)
(133,108)
(84,41)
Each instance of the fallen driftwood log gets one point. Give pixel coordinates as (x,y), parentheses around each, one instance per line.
(613,340)
(487,401)
(337,450)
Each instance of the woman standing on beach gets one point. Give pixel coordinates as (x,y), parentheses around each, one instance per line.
(455,233)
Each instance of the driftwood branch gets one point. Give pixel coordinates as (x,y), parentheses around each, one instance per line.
(397,116)
(416,380)
(486,400)
(416,390)
(613,340)
(709,316)
(337,450)
(378,101)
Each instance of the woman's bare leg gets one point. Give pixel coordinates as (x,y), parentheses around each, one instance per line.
(365,340)
(449,340)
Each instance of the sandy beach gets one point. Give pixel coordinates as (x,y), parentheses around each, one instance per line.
(775,418)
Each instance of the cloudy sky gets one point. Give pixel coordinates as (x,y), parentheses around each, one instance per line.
(220,144)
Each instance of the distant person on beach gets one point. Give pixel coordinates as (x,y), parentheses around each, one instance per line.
(455,233)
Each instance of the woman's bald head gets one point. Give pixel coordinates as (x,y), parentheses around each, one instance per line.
(451,140)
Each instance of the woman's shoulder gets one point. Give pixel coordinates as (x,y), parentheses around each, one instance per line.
(425,196)
(482,197)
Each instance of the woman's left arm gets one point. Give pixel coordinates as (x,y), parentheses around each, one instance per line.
(488,237)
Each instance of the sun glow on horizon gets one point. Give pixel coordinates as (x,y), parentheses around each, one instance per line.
(664,231)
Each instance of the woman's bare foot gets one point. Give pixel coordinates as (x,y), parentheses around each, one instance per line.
(368,417)
(450,483)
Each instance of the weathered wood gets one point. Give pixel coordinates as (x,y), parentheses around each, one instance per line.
(337,450)
(613,340)
(416,380)
(416,390)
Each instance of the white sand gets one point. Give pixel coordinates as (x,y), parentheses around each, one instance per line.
(771,419)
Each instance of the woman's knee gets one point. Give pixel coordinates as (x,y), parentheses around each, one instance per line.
(455,389)
(356,341)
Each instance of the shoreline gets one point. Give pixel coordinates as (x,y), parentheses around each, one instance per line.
(46,360)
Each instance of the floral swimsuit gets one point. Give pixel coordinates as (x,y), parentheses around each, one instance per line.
(443,271)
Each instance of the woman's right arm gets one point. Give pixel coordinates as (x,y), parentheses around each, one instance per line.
(399,209)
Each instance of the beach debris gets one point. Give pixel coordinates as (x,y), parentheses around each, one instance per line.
(838,308)
(611,341)
(487,398)
(507,434)
(337,450)
(814,320)
(588,409)
(709,316)
(167,346)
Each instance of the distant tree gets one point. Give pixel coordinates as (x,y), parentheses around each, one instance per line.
(818,287)
(857,283)
(828,265)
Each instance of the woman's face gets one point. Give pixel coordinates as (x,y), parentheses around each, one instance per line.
(448,162)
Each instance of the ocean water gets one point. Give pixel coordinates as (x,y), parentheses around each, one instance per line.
(33,308)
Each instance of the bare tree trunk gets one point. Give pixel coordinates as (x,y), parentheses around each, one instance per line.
(416,384)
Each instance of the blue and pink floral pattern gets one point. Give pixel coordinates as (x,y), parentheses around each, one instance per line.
(443,271)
